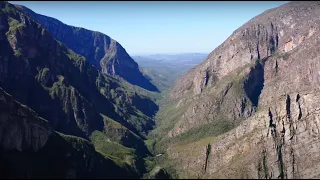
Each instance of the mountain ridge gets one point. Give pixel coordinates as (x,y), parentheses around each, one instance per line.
(104,53)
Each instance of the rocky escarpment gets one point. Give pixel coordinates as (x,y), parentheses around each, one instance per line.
(277,31)
(28,143)
(279,138)
(277,142)
(104,53)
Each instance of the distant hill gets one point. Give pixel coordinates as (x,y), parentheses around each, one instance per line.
(183,57)
(164,69)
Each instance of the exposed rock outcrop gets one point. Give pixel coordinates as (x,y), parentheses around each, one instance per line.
(273,143)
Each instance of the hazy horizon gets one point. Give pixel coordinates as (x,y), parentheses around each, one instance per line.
(147,28)
(181,53)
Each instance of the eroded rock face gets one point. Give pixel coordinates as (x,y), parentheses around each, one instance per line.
(230,100)
(280,139)
(281,29)
(20,127)
(276,31)
(280,142)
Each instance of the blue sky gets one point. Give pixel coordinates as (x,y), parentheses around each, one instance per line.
(154,27)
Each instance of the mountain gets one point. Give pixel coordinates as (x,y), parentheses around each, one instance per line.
(164,69)
(250,110)
(104,53)
(87,112)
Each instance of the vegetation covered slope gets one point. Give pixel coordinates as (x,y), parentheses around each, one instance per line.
(104,53)
(250,110)
(64,88)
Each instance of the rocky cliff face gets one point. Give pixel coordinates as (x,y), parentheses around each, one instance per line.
(277,53)
(28,142)
(104,53)
(277,31)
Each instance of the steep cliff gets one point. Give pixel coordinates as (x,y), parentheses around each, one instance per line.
(104,53)
(250,110)
(64,88)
